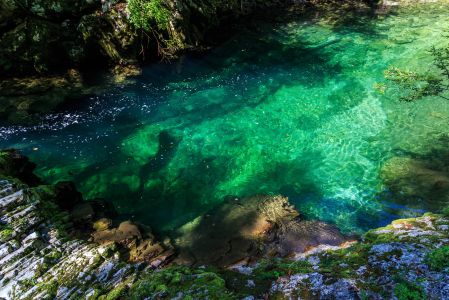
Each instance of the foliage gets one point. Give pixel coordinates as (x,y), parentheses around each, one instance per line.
(406,290)
(116,293)
(145,13)
(178,280)
(438,259)
(271,269)
(5,232)
(415,85)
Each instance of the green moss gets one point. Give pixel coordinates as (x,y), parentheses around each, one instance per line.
(116,293)
(271,269)
(6,232)
(343,262)
(176,280)
(54,255)
(405,290)
(51,289)
(438,259)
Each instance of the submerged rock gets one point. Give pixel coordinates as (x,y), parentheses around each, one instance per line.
(418,179)
(40,258)
(249,229)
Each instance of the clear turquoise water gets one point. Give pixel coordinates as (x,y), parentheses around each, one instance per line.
(280,108)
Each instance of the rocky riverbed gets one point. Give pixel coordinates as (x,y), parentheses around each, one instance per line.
(54,245)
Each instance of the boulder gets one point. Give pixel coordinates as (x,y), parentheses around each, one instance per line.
(102,224)
(137,245)
(414,179)
(249,229)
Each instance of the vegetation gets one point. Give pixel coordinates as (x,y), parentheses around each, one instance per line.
(415,85)
(144,14)
(406,290)
(182,282)
(152,18)
(438,259)
(5,232)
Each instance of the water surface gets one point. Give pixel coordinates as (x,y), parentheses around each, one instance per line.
(285,108)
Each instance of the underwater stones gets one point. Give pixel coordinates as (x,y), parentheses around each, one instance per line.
(82,212)
(417,178)
(251,228)
(67,197)
(102,224)
(143,144)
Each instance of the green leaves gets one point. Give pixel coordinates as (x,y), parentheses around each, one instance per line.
(145,14)
(438,259)
(414,86)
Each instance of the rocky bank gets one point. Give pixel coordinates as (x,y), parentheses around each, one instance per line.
(54,245)
(55,51)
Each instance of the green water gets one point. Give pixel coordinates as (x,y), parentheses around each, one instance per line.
(285,108)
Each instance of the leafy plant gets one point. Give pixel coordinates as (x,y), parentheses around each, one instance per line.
(415,85)
(144,14)
(406,290)
(438,259)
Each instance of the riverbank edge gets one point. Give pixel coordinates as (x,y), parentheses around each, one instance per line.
(45,255)
(109,48)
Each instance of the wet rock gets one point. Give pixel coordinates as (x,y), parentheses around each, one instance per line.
(251,228)
(21,99)
(412,178)
(127,232)
(41,259)
(111,34)
(15,165)
(123,72)
(102,224)
(141,246)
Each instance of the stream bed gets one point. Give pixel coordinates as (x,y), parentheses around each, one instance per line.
(297,108)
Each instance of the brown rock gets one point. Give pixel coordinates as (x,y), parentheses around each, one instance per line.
(251,228)
(124,234)
(102,224)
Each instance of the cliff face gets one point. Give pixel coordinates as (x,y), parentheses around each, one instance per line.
(45,36)
(46,45)
(45,255)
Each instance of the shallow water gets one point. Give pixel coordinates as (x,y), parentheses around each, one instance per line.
(280,108)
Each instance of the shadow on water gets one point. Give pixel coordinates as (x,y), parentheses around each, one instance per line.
(417,182)
(219,237)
